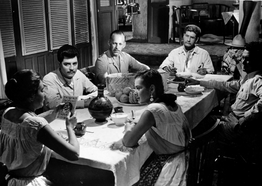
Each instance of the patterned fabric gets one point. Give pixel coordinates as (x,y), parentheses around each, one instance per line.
(231,63)
(151,170)
(167,165)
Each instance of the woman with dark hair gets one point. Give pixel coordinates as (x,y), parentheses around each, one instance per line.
(166,130)
(26,139)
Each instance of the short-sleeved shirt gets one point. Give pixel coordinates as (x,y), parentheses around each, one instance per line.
(123,63)
(57,87)
(199,58)
(248,93)
(19,147)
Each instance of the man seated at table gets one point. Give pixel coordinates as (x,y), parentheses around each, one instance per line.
(189,57)
(231,63)
(67,79)
(248,93)
(114,60)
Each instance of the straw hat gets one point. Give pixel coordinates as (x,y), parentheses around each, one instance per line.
(238,42)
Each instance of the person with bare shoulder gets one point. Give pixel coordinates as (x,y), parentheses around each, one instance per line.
(166,130)
(26,139)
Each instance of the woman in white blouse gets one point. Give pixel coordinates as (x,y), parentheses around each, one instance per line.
(166,130)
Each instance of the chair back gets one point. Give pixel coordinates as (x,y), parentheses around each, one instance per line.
(3,172)
(182,16)
(202,157)
(215,10)
(90,73)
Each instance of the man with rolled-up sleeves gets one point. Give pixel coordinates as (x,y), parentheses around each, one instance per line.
(189,57)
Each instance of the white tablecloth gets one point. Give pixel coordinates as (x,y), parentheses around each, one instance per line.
(95,143)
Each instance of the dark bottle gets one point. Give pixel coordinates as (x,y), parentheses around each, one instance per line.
(100,107)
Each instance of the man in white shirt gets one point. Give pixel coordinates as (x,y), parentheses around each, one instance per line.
(189,57)
(67,79)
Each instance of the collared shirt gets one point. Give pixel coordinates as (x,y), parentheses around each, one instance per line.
(248,90)
(199,58)
(57,87)
(123,63)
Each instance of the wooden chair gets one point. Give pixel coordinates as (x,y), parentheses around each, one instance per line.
(203,12)
(182,16)
(239,162)
(90,73)
(202,155)
(215,17)
(3,172)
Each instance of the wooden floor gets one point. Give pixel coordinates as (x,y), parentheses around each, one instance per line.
(154,54)
(218,49)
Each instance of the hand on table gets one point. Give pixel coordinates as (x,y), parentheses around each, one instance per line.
(190,81)
(118,145)
(171,70)
(87,101)
(202,71)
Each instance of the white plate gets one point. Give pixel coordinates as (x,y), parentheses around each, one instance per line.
(194,89)
(130,104)
(184,74)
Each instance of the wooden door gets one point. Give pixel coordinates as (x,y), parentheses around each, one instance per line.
(107,22)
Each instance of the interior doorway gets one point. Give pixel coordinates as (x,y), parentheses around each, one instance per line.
(106,22)
(126,10)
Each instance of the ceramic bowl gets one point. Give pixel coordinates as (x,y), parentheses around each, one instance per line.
(119,118)
(80,129)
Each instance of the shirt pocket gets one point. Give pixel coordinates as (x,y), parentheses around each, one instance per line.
(244,94)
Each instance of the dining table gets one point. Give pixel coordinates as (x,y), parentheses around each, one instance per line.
(125,164)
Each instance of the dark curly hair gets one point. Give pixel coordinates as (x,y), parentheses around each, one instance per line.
(23,85)
(153,77)
(68,51)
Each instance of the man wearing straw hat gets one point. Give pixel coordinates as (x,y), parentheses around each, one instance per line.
(232,59)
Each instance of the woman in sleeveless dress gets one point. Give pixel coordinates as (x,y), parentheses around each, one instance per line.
(166,130)
(26,139)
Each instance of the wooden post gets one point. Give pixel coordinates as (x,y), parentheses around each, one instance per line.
(3,77)
(253,26)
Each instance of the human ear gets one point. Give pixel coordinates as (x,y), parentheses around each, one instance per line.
(152,89)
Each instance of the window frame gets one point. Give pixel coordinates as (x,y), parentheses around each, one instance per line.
(47,19)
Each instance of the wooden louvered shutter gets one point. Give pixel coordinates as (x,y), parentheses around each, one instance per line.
(60,24)
(7,29)
(32,26)
(81,21)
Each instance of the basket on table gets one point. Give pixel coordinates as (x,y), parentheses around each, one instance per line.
(118,81)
